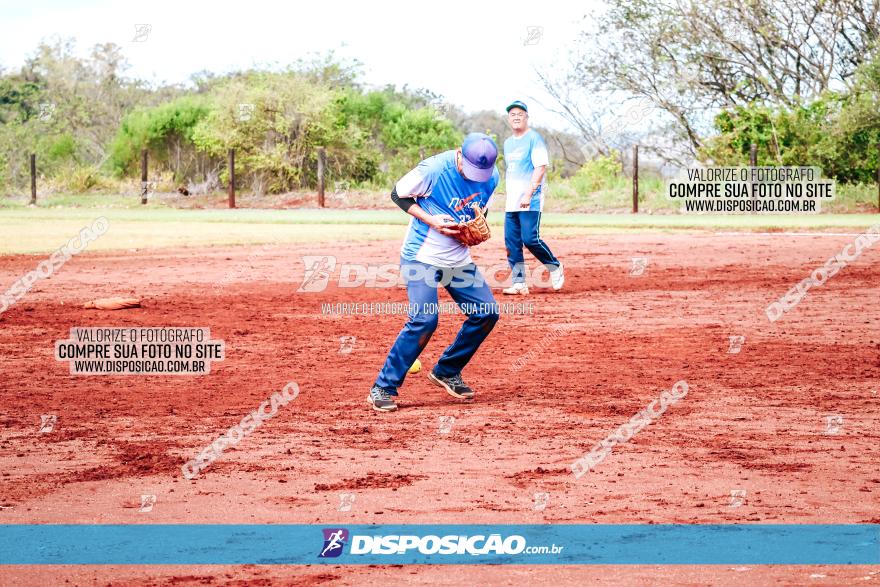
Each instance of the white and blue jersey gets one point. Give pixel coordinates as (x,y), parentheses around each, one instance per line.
(440,189)
(522,155)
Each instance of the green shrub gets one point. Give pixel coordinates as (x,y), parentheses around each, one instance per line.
(838,132)
(78,179)
(599,173)
(82,179)
(165,130)
(60,148)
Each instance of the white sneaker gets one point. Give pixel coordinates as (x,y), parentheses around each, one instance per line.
(557,278)
(517,289)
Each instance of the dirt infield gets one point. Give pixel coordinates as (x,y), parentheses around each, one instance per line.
(791,419)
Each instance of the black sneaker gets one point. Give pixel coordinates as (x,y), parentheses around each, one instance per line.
(454,385)
(381,400)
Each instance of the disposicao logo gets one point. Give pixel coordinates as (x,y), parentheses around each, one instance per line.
(334,541)
(473,545)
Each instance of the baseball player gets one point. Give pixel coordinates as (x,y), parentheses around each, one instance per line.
(440,194)
(526,157)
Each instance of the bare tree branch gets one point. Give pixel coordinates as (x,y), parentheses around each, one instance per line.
(690,58)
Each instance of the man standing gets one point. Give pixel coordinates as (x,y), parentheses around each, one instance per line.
(526,157)
(439,194)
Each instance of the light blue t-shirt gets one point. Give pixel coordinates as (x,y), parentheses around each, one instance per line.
(522,155)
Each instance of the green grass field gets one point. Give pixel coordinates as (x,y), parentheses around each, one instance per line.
(569,195)
(41,230)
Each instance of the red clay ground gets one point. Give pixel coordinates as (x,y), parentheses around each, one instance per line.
(753,421)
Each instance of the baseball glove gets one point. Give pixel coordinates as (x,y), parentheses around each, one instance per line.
(475,231)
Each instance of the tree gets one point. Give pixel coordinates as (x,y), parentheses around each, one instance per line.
(838,131)
(689,58)
(167,131)
(64,108)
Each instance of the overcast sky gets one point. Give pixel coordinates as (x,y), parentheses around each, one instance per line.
(479,55)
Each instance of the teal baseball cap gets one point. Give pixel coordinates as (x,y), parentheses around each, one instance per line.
(518,104)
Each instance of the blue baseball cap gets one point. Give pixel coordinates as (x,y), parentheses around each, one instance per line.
(479,152)
(518,104)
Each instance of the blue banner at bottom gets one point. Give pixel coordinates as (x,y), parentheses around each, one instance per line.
(563,544)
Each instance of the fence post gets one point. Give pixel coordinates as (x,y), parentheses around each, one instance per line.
(322,164)
(232,178)
(753,162)
(635,179)
(33,179)
(144,184)
(421,153)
